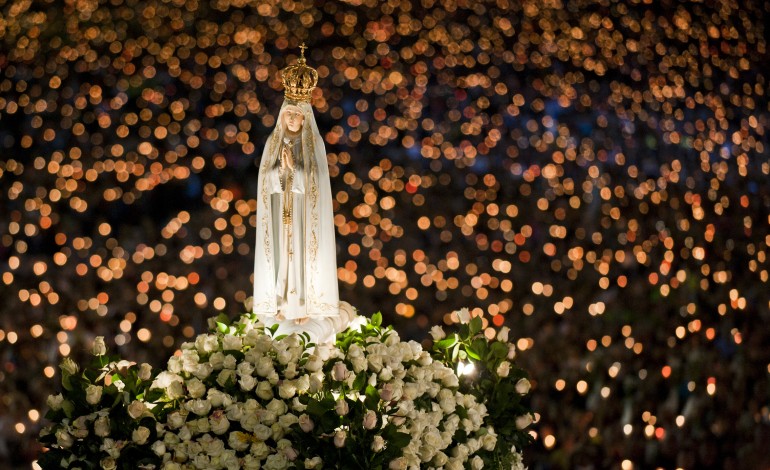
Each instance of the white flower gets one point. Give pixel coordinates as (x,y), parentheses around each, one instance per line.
(477,463)
(262,432)
(226,376)
(102,426)
(232,343)
(239,441)
(523,421)
(440,459)
(190,360)
(313,463)
(306,423)
(247,383)
(244,368)
(264,390)
(264,366)
(378,443)
(55,401)
(195,388)
(108,463)
(437,332)
(287,389)
(290,453)
(503,369)
(463,315)
(159,447)
(202,371)
(140,435)
(523,386)
(398,464)
(339,438)
(386,393)
(340,371)
(219,422)
(68,366)
(370,419)
(64,439)
(341,407)
(230,362)
(200,406)
(206,344)
(489,440)
(99,348)
(217,360)
(502,335)
(145,372)
(176,419)
(136,409)
(277,406)
(511,351)
(314,363)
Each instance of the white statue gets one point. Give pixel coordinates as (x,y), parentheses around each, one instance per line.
(295,263)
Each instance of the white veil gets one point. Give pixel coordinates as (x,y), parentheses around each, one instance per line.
(320,251)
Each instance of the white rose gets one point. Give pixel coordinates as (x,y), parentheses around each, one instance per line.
(489,440)
(196,388)
(339,439)
(64,439)
(199,406)
(225,376)
(176,419)
(340,371)
(504,369)
(290,453)
(264,366)
(313,463)
(99,348)
(190,360)
(523,386)
(477,463)
(159,447)
(437,332)
(314,363)
(378,443)
(245,368)
(232,343)
(511,352)
(239,441)
(202,371)
(386,373)
(523,421)
(219,423)
(303,384)
(502,335)
(102,426)
(140,435)
(386,393)
(440,459)
(341,407)
(277,406)
(247,383)
(217,360)
(145,372)
(230,362)
(287,421)
(206,344)
(464,315)
(262,432)
(108,463)
(370,419)
(68,366)
(136,409)
(398,464)
(306,423)
(264,390)
(55,401)
(287,389)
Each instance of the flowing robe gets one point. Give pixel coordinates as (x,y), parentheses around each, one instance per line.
(295,269)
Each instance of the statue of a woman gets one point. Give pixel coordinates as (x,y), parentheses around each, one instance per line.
(295,267)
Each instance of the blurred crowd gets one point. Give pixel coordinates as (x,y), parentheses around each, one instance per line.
(592,174)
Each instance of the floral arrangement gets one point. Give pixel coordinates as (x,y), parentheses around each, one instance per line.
(241,396)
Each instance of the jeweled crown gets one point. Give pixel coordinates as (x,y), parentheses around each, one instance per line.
(299,79)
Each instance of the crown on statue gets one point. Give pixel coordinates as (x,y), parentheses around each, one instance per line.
(299,79)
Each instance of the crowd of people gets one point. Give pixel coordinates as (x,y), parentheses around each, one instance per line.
(592,175)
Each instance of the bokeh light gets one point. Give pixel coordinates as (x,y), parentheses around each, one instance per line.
(591,173)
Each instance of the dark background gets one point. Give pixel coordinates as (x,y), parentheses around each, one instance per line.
(592,174)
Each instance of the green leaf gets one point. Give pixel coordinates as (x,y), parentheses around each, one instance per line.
(446,343)
(376,319)
(222,327)
(360,381)
(472,353)
(456,352)
(475,325)
(498,350)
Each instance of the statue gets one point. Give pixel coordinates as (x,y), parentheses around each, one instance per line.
(295,266)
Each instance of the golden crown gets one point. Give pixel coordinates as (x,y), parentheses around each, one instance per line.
(299,79)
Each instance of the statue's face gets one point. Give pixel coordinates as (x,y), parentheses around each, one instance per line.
(293,118)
